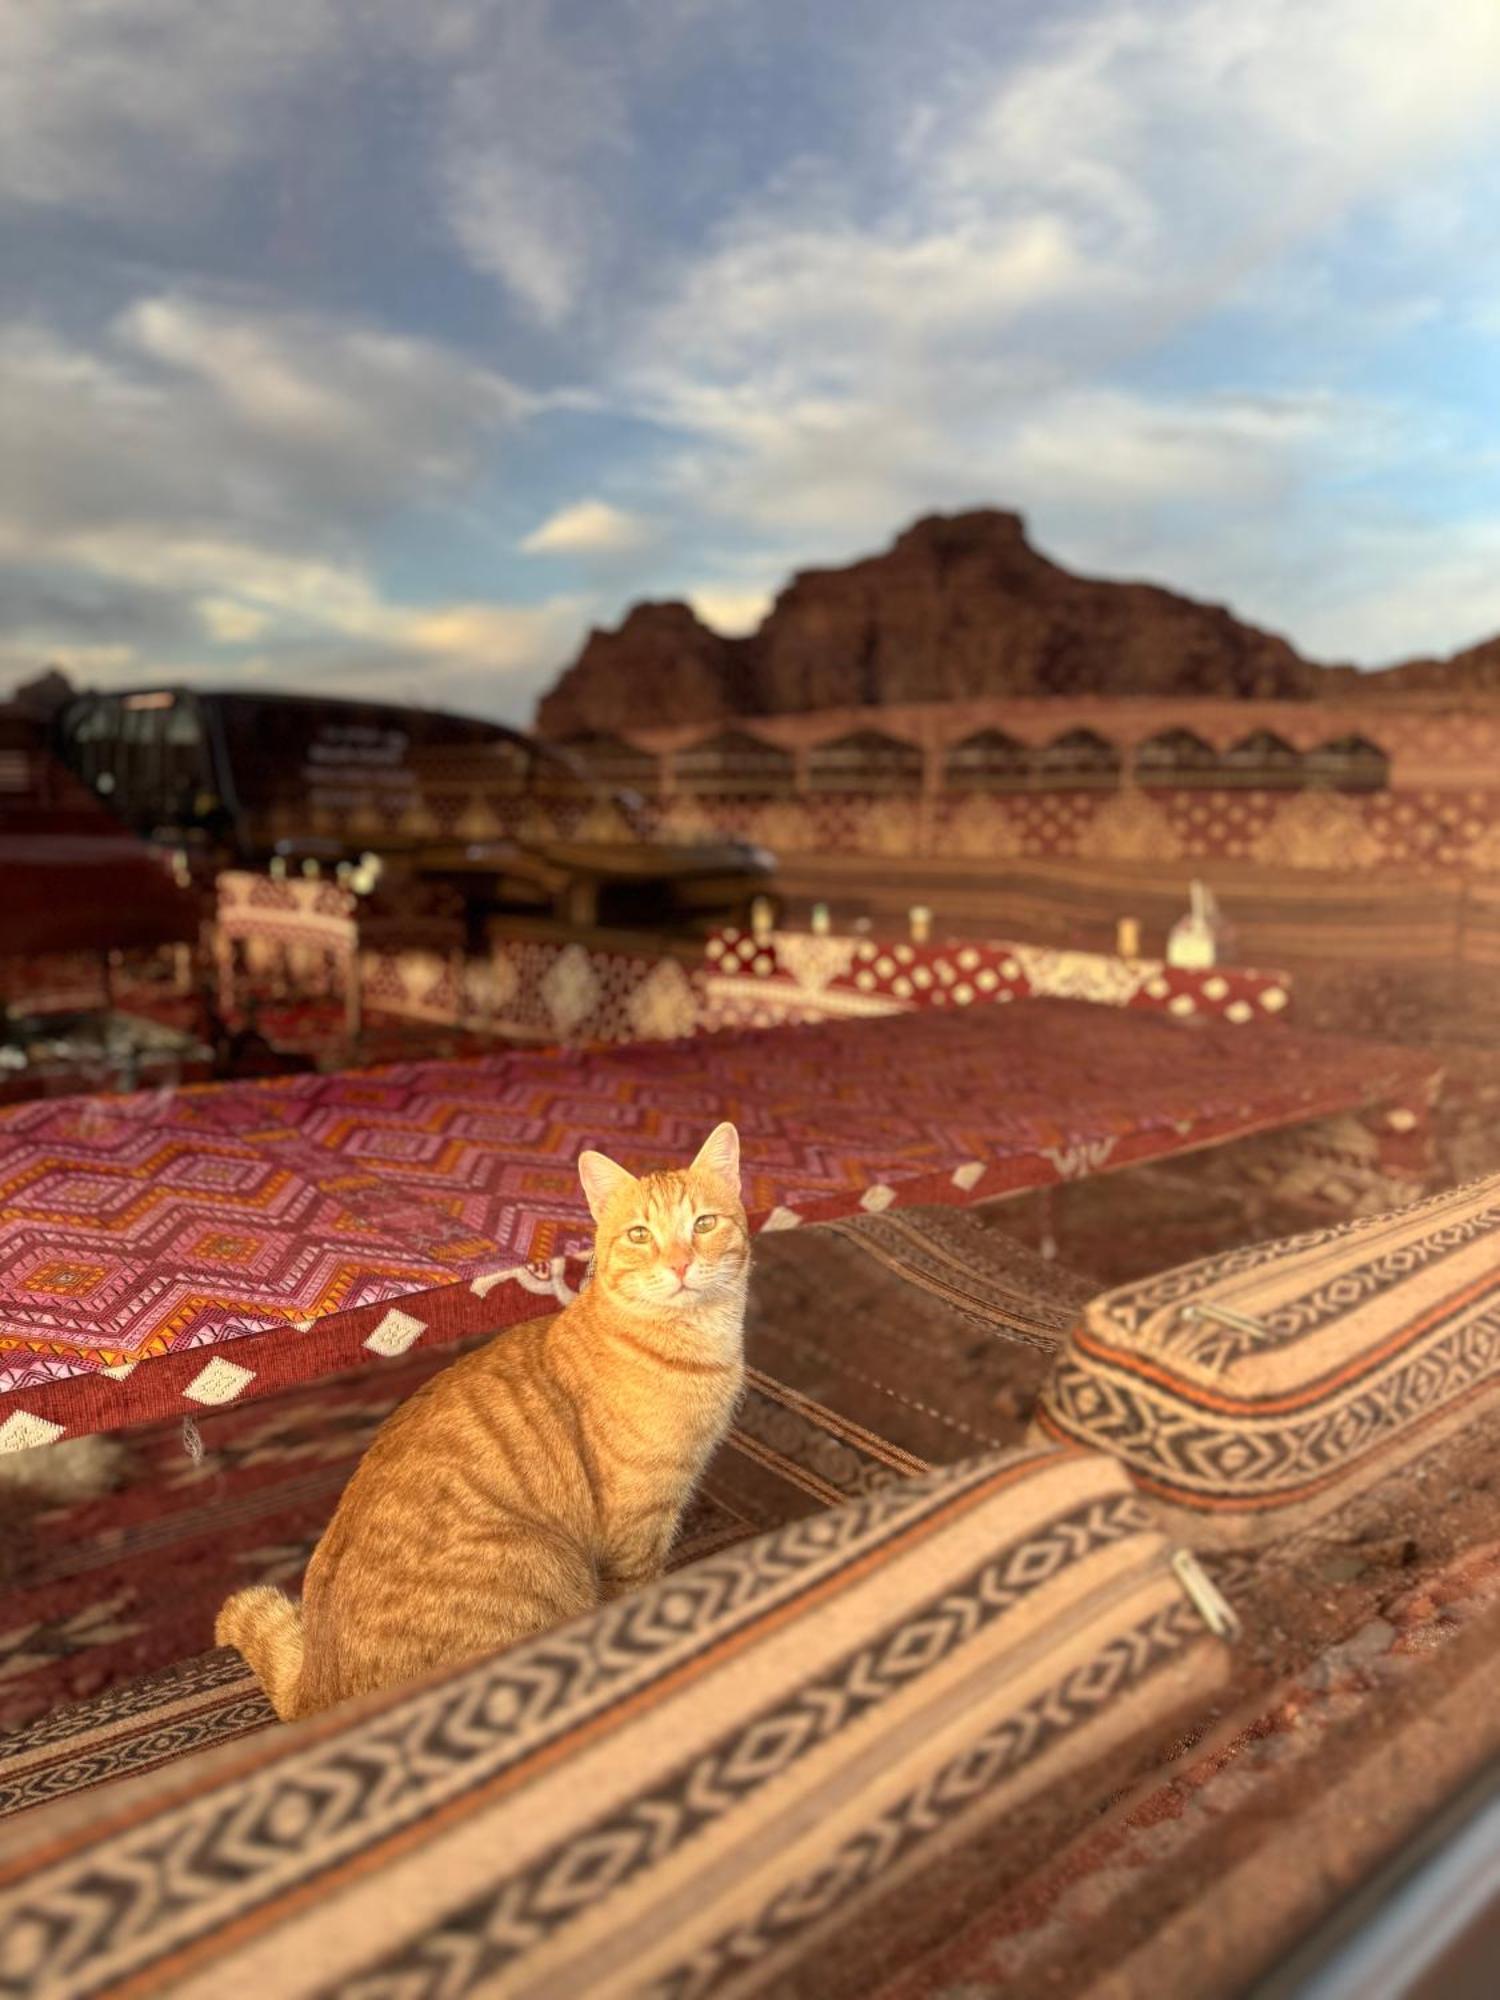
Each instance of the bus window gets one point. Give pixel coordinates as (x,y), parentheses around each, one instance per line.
(184,764)
(138,765)
(89,736)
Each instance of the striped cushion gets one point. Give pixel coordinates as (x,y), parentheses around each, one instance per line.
(681,1793)
(1260,1390)
(136,1726)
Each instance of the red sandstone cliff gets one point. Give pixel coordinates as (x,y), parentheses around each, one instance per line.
(1475,671)
(961,606)
(663,663)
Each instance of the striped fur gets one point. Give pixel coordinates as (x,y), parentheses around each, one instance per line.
(538,1476)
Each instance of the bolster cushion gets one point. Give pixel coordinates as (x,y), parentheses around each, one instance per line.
(676,1794)
(1257,1391)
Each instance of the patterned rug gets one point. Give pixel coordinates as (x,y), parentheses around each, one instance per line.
(877,1346)
(280,1223)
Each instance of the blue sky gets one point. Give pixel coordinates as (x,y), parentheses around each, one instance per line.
(371,346)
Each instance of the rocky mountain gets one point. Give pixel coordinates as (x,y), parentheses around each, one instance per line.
(1475,671)
(662,662)
(961,606)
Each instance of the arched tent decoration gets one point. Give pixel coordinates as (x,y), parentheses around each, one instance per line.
(1078,760)
(614,763)
(1348,764)
(1264,762)
(865,761)
(1176,757)
(736,765)
(988,761)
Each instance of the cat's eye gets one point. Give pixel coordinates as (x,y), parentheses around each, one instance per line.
(639,1234)
(705,1223)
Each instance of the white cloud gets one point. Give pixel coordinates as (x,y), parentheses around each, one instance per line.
(230,622)
(320,626)
(319,609)
(489,636)
(1102,448)
(214,470)
(529,111)
(521,222)
(124,106)
(590,527)
(483,659)
(831,363)
(149,110)
(1393,589)
(294,589)
(1188,150)
(728,610)
(396,406)
(1049,224)
(291,430)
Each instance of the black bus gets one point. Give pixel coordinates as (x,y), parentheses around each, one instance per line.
(263,774)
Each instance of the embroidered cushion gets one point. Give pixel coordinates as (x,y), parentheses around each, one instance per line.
(1259,1390)
(134,1726)
(675,1795)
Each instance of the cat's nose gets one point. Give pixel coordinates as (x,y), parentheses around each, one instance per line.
(680,1266)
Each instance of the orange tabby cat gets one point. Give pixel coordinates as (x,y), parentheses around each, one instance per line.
(538,1475)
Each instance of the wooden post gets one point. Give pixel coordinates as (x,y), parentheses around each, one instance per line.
(581,903)
(932,784)
(353,995)
(224,965)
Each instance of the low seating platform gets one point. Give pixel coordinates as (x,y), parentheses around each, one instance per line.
(932,1700)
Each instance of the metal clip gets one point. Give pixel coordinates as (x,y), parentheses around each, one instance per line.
(1209,1602)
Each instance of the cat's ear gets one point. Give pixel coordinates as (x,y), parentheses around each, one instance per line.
(719,1155)
(601,1178)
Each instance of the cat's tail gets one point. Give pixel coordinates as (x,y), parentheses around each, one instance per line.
(266,1626)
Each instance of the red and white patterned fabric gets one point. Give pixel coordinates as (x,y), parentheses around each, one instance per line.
(559,990)
(800,976)
(541,989)
(179,1249)
(301,931)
